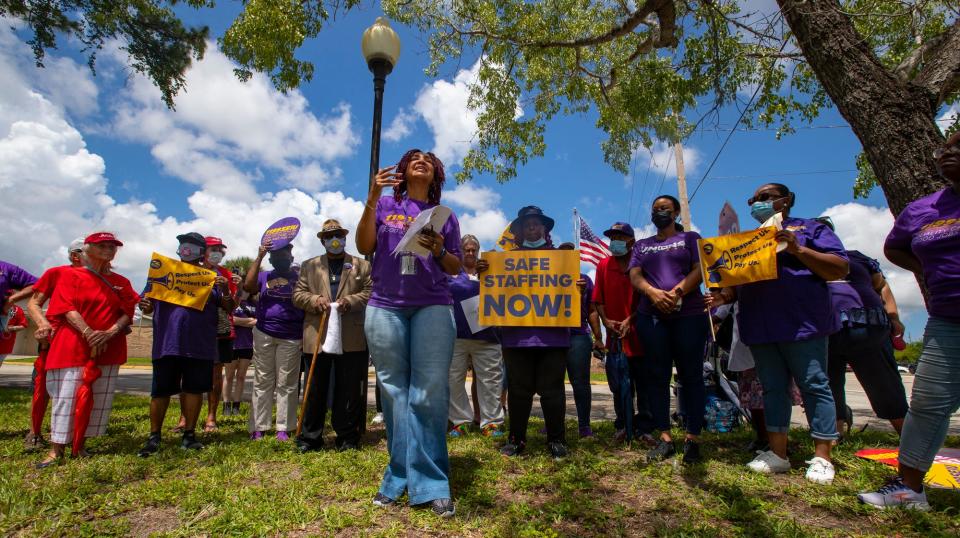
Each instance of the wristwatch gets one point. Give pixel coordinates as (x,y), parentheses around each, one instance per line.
(443,252)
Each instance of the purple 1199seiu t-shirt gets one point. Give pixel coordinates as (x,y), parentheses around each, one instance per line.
(180,331)
(276,314)
(244,339)
(796,305)
(930,229)
(429,286)
(665,263)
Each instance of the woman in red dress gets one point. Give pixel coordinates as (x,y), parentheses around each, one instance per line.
(94,307)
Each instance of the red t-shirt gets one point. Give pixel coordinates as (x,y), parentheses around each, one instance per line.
(614,291)
(48,280)
(100,306)
(9,338)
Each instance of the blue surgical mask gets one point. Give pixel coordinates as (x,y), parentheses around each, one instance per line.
(535,244)
(618,247)
(762,211)
(334,245)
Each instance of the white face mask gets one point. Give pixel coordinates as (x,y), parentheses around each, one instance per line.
(215,257)
(189,252)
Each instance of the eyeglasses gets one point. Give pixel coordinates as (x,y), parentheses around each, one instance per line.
(940,152)
(765,196)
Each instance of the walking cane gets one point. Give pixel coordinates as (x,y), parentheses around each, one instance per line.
(313,364)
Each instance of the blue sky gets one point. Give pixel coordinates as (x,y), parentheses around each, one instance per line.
(80,152)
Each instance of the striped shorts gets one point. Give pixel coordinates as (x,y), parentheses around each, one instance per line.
(62,386)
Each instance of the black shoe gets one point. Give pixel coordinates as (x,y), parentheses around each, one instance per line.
(303,447)
(691,452)
(662,451)
(756,446)
(236,408)
(348,445)
(383,501)
(189,441)
(513,448)
(443,507)
(151,446)
(558,450)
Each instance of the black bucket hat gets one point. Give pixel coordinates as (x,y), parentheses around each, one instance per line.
(531,211)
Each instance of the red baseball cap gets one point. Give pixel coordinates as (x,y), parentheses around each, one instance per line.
(214,241)
(102,237)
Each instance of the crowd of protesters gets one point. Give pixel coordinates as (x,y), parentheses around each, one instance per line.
(792,338)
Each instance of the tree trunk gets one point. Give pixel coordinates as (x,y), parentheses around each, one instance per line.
(893,120)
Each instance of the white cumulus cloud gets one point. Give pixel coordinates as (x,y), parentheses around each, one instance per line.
(221,122)
(483,216)
(401,126)
(661,162)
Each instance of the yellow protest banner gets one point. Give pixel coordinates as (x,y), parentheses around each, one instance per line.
(741,258)
(507,241)
(531,288)
(177,282)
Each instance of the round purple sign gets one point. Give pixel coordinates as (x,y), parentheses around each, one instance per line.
(281,233)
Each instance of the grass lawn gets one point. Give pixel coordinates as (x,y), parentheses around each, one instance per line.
(241,488)
(131,361)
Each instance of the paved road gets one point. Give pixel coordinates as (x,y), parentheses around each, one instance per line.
(137,381)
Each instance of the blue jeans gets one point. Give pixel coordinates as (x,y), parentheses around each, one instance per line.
(578,369)
(936,395)
(411,349)
(806,363)
(667,341)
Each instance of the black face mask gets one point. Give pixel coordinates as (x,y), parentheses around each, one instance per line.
(662,219)
(282,265)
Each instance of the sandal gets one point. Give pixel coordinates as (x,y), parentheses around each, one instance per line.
(178,428)
(210,427)
(49,461)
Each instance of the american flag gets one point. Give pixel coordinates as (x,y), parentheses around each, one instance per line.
(592,248)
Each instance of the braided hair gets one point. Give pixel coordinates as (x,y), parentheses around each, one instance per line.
(433,193)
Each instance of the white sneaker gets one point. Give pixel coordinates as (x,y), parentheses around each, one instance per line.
(820,471)
(769,463)
(895,494)
(377,419)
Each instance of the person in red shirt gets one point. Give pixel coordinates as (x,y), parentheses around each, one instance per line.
(216,251)
(91,307)
(616,300)
(17,322)
(42,291)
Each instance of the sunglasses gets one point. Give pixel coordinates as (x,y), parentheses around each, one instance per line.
(940,152)
(765,196)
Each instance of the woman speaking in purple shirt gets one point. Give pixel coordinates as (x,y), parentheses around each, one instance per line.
(410,329)
(926,241)
(671,323)
(786,322)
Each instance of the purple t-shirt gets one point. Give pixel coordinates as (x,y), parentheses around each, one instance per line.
(930,229)
(13,277)
(179,331)
(856,291)
(276,314)
(429,285)
(462,287)
(797,305)
(584,307)
(535,336)
(665,263)
(244,339)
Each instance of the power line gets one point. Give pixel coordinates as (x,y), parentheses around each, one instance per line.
(786,174)
(743,114)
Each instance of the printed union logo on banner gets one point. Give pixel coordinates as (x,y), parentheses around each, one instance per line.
(179,283)
(531,288)
(742,258)
(281,233)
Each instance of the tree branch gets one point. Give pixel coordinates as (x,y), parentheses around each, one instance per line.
(664,9)
(939,64)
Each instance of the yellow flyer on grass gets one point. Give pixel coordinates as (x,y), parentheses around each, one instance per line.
(741,258)
(531,288)
(177,282)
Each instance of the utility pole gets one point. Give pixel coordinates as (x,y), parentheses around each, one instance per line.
(682,186)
